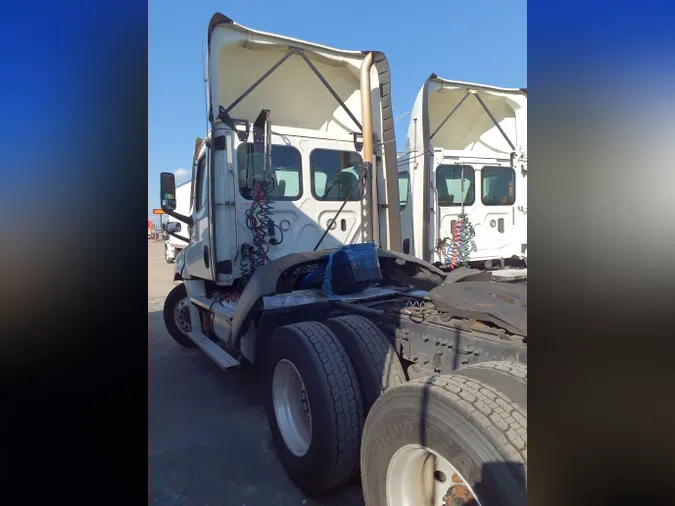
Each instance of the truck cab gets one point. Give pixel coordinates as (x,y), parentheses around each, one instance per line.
(287,114)
(466,154)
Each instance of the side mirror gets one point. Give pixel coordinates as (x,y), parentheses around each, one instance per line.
(167,183)
(167,197)
(173,227)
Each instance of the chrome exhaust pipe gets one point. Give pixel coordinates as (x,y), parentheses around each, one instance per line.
(367,121)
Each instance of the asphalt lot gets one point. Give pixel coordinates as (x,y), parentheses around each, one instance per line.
(209,443)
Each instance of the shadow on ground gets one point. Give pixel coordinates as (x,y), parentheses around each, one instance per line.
(209,442)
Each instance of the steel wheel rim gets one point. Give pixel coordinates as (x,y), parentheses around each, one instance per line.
(181,315)
(418,476)
(291,408)
(166,252)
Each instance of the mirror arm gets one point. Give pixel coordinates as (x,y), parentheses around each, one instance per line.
(180,237)
(179,217)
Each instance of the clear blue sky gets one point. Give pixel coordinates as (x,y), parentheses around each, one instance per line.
(482,41)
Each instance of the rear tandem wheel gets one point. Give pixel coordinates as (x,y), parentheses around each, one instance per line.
(314,406)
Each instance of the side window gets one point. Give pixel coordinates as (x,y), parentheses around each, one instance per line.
(498,186)
(200,194)
(335,174)
(403,189)
(287,175)
(449,185)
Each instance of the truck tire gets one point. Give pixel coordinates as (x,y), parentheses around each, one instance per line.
(177,316)
(508,377)
(449,434)
(314,406)
(377,366)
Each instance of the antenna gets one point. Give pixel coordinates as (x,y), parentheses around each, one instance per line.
(206,95)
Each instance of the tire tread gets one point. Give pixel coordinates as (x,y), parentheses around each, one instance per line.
(344,389)
(509,378)
(503,420)
(380,353)
(514,369)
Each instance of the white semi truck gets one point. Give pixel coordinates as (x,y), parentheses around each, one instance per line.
(174,245)
(465,166)
(374,361)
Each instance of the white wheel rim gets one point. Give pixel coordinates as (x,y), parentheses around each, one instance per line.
(181,315)
(418,476)
(291,408)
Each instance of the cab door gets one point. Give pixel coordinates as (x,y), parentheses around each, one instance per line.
(335,174)
(198,255)
(455,190)
(494,214)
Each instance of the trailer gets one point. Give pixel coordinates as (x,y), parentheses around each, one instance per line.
(466,163)
(373,361)
(174,245)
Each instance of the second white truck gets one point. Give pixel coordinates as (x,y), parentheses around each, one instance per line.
(465,160)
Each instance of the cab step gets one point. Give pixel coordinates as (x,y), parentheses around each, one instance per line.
(215,352)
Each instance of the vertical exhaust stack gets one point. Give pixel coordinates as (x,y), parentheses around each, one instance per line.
(367,119)
(392,217)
